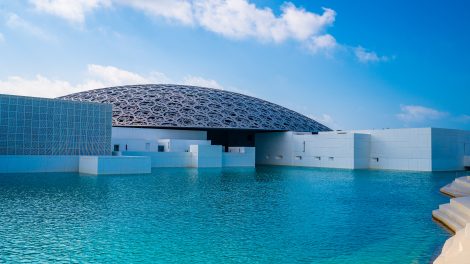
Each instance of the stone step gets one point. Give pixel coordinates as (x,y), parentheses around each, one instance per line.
(463,181)
(458,188)
(461,204)
(455,190)
(447,221)
(454,214)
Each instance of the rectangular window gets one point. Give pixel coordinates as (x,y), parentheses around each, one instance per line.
(116,147)
(161,148)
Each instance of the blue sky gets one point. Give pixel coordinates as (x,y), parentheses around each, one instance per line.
(349,64)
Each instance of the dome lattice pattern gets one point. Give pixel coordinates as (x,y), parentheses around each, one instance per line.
(179,106)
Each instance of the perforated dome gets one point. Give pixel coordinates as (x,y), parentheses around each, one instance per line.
(179,106)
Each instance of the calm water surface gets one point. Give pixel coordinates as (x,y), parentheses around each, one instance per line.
(262,215)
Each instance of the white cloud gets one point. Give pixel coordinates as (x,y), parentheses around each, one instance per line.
(236,19)
(178,10)
(365,56)
(417,113)
(37,86)
(97,76)
(2,38)
(199,81)
(15,22)
(112,76)
(242,19)
(326,120)
(323,42)
(73,11)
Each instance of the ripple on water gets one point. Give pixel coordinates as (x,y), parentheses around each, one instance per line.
(264,215)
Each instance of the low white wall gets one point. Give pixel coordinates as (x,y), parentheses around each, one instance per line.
(180,145)
(146,139)
(100,165)
(153,134)
(165,159)
(35,164)
(239,157)
(206,156)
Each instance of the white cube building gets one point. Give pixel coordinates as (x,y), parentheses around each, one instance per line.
(413,149)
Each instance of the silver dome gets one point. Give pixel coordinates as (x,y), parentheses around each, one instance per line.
(180,106)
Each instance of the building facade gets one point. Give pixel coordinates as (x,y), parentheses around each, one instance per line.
(187,126)
(39,126)
(410,149)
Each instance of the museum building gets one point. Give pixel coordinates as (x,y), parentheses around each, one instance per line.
(130,129)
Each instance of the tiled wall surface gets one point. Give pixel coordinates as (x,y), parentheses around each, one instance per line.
(409,149)
(39,126)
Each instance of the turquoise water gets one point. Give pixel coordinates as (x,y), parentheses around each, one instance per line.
(262,215)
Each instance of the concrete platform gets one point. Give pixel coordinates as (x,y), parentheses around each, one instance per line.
(102,165)
(460,187)
(455,215)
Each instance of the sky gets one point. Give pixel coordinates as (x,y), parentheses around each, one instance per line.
(362,64)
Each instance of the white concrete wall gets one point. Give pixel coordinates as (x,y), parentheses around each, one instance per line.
(419,149)
(362,143)
(330,150)
(101,165)
(134,144)
(138,138)
(180,145)
(411,149)
(165,159)
(449,148)
(239,157)
(274,148)
(35,164)
(400,149)
(206,156)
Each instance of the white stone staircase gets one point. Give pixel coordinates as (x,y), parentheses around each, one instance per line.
(460,187)
(455,215)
